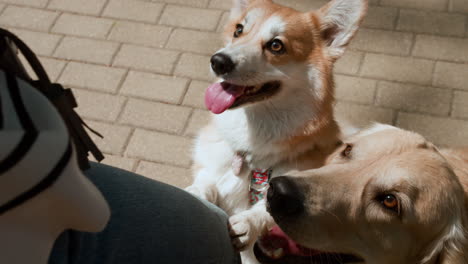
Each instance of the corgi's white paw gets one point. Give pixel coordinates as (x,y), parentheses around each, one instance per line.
(242,233)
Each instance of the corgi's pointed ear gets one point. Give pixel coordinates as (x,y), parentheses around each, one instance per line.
(340,21)
(238,7)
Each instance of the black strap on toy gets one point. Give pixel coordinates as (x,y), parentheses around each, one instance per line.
(63,99)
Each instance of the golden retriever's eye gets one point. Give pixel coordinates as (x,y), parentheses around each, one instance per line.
(390,202)
(239,30)
(346,153)
(276,46)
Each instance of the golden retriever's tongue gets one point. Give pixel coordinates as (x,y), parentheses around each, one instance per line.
(276,239)
(220,96)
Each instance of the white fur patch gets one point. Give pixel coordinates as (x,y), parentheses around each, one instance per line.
(251,18)
(272,27)
(377,127)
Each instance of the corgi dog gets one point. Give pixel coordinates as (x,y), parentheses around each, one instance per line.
(272,108)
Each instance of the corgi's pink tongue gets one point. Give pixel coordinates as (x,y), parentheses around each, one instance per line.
(220,96)
(276,239)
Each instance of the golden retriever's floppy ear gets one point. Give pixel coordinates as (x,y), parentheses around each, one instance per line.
(452,248)
(340,21)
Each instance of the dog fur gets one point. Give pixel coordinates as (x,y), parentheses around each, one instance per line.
(343,212)
(295,126)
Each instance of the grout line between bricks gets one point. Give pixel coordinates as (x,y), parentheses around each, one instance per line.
(397,20)
(124,77)
(54,22)
(166,42)
(127,142)
(3,9)
(104,6)
(121,110)
(136,165)
(361,62)
(204,30)
(376,92)
(111,28)
(187,86)
(62,71)
(56,47)
(176,62)
(413,44)
(184,129)
(114,56)
(163,9)
(396,115)
(452,102)
(434,67)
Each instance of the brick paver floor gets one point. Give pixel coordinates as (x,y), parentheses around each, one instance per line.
(139,69)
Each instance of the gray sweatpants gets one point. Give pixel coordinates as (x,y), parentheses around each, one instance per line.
(151,222)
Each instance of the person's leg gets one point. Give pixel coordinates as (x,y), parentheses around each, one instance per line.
(151,222)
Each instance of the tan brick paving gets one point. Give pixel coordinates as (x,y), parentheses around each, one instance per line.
(383,41)
(139,69)
(99,106)
(381,17)
(86,50)
(78,6)
(144,58)
(189,17)
(115,139)
(29,18)
(41,43)
(154,87)
(133,10)
(90,76)
(451,75)
(198,120)
(155,116)
(414,98)
(460,107)
(460,6)
(355,89)
(194,41)
(173,150)
(439,5)
(447,132)
(393,68)
(138,33)
(441,48)
(83,26)
(34,3)
(195,95)
(432,22)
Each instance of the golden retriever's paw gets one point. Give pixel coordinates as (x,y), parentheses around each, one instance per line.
(241,231)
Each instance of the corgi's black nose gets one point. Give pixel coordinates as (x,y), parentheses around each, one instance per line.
(222,64)
(284,197)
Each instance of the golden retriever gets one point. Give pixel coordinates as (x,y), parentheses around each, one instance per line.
(386,196)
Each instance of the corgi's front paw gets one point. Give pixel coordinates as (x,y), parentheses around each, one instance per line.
(242,232)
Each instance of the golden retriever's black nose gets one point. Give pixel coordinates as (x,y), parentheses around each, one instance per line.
(284,197)
(222,64)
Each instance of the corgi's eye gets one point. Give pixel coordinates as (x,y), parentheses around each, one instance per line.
(276,46)
(239,30)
